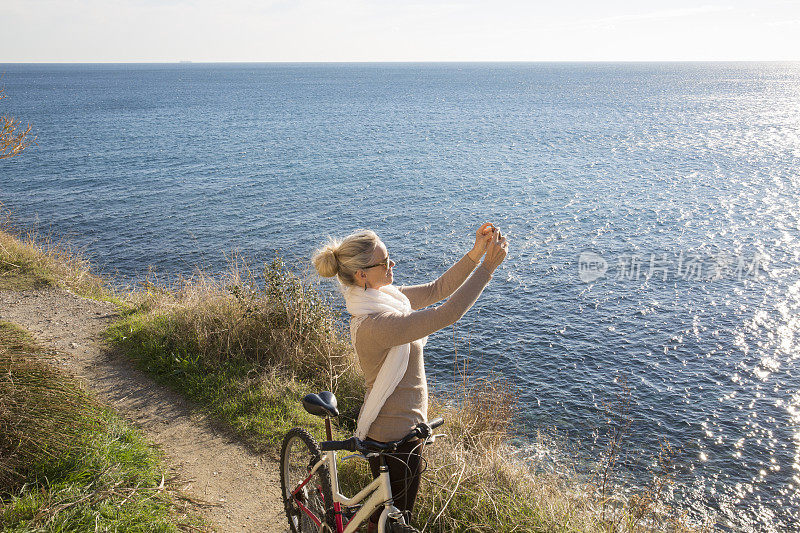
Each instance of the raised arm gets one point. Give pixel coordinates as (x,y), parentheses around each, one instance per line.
(386,330)
(429,293)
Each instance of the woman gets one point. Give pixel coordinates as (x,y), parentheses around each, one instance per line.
(389,328)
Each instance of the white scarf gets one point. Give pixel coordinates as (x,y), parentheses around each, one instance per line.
(361,303)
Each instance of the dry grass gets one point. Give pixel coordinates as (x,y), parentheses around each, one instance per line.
(477,481)
(28,260)
(41,416)
(268,318)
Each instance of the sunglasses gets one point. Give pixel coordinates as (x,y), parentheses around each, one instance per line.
(384,263)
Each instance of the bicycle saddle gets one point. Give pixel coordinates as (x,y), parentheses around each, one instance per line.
(322,404)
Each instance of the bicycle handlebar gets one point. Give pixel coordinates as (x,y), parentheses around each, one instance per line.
(354,444)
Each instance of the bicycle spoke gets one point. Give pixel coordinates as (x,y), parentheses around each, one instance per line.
(305,497)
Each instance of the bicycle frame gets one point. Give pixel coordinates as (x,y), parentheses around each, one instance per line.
(376,493)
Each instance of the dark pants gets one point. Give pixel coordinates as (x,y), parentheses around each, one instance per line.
(405,470)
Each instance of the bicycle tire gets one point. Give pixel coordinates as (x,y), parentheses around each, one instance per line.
(397,527)
(298,454)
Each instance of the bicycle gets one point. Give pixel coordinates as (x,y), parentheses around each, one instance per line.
(310,481)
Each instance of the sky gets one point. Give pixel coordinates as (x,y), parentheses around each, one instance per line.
(384,30)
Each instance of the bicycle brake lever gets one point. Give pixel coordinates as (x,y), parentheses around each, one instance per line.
(433,438)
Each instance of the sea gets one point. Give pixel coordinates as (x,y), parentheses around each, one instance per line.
(652,211)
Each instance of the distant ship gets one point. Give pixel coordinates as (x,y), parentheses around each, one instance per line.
(184,61)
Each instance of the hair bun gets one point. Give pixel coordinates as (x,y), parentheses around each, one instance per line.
(343,258)
(325,261)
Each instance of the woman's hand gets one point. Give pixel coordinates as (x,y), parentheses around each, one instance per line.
(482,238)
(496,251)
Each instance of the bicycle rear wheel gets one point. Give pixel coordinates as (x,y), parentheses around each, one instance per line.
(312,504)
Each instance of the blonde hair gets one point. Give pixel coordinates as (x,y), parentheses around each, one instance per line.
(344,257)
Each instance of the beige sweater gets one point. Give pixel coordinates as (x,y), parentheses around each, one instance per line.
(408,404)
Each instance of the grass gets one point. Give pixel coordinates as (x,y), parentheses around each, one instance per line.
(68,463)
(31,261)
(247,344)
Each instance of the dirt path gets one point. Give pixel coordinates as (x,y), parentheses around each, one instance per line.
(242,489)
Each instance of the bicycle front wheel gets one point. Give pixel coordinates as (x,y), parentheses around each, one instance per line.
(308,501)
